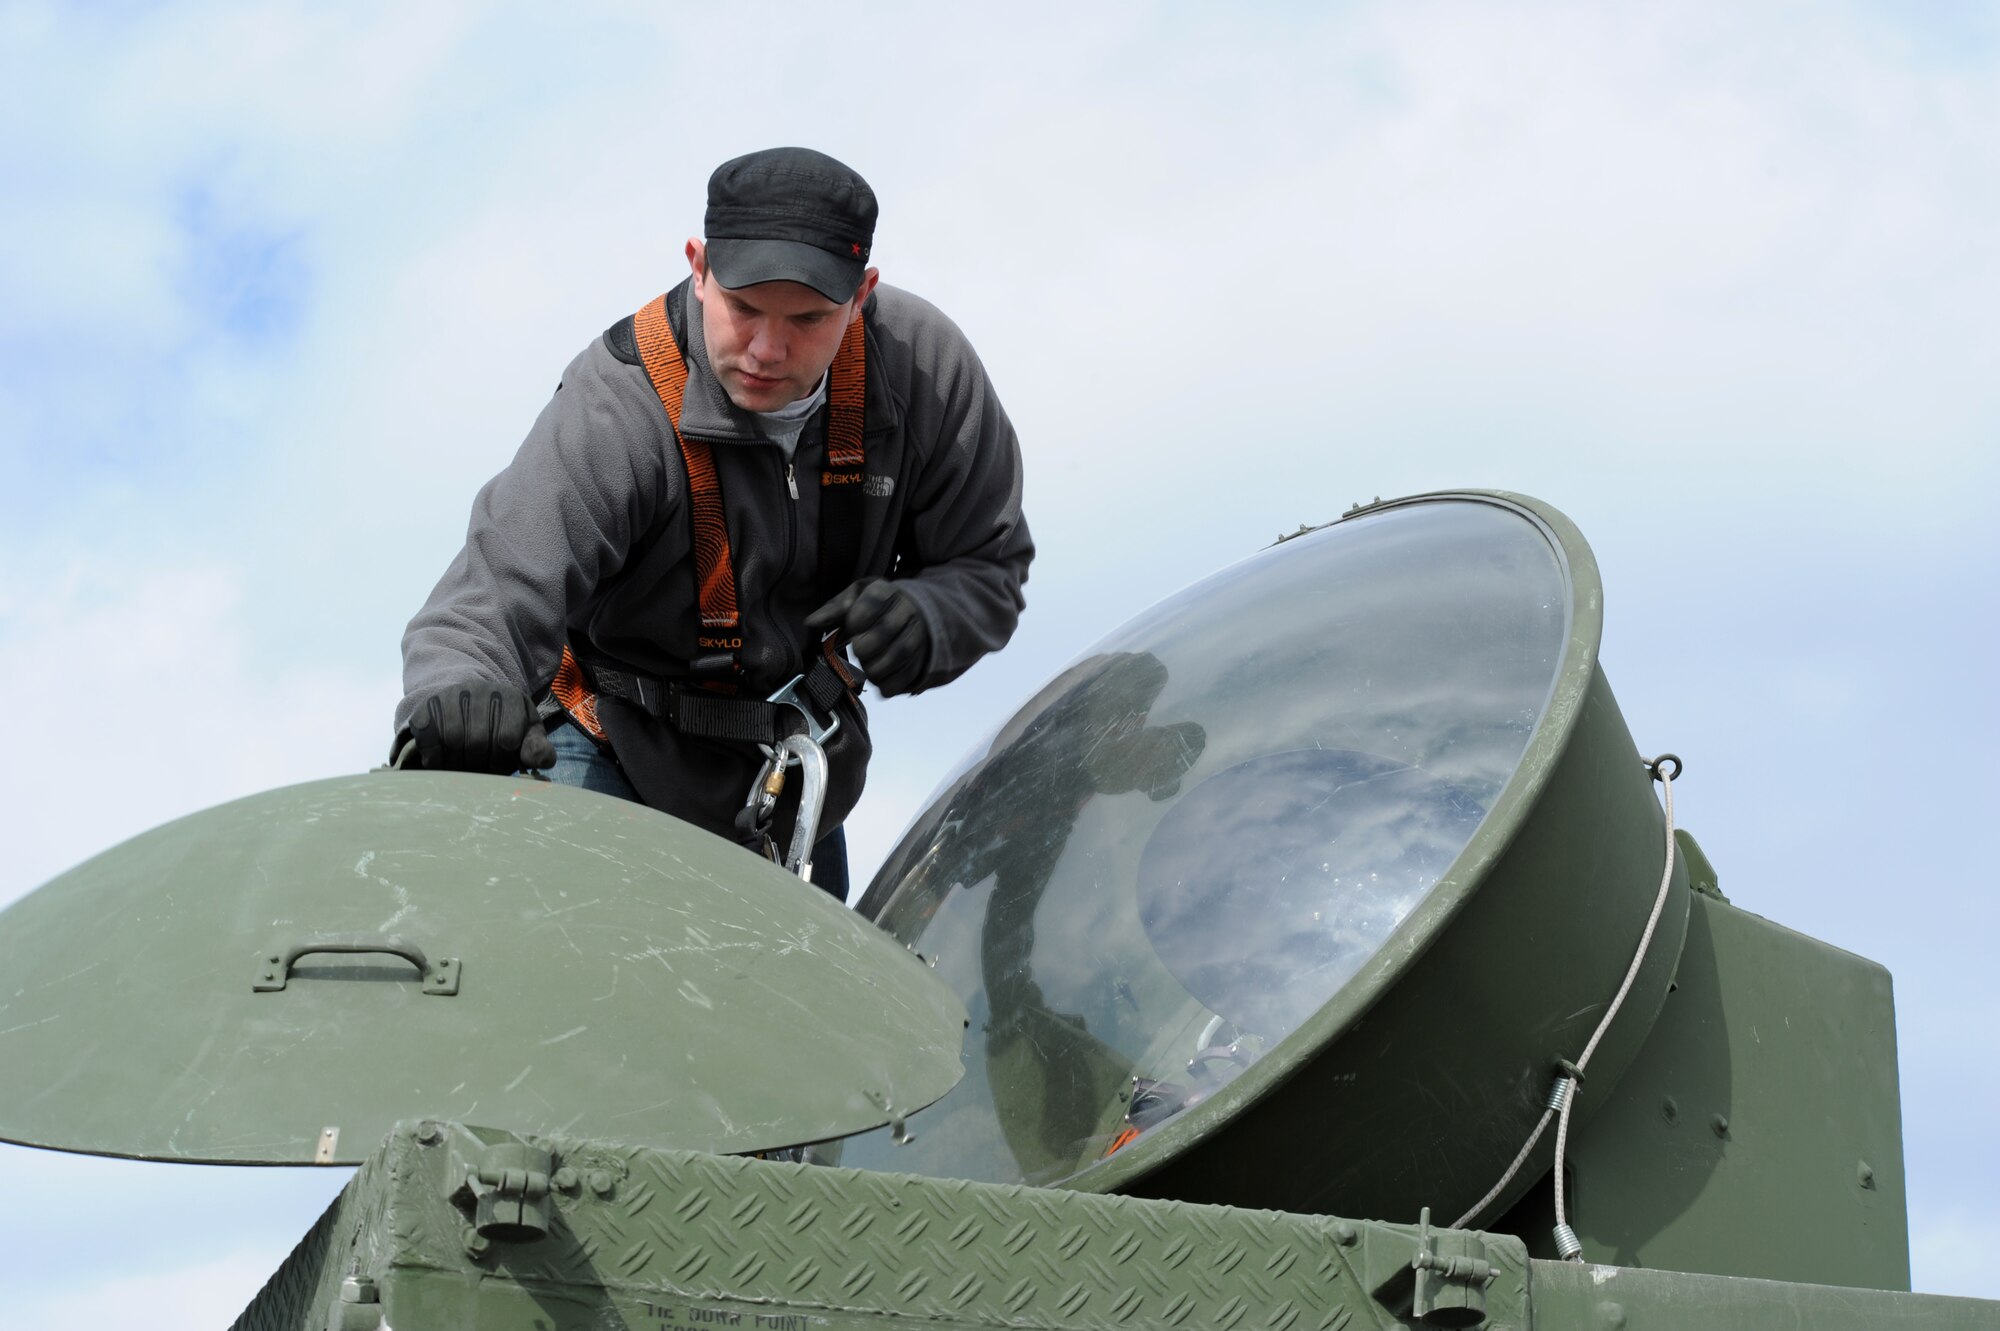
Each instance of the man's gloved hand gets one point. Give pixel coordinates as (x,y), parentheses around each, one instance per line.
(479,726)
(885,629)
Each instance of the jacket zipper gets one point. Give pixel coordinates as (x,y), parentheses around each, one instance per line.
(791,545)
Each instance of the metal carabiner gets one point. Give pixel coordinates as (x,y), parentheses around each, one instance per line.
(812,799)
(754,820)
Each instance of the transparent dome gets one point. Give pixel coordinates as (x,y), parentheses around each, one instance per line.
(1184,845)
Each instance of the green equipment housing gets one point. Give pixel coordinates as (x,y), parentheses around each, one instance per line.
(1316,950)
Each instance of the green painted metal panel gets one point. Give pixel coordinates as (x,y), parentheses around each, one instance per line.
(1759,1132)
(648,1240)
(619,973)
(1578,1295)
(677,1239)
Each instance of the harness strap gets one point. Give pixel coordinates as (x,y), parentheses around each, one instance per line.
(576,696)
(842,486)
(695,711)
(711,711)
(714,570)
(841,482)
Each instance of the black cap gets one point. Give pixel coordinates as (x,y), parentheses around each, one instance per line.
(790,215)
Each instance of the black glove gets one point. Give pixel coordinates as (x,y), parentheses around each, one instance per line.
(479,726)
(885,629)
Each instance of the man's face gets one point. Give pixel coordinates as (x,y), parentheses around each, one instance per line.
(769,344)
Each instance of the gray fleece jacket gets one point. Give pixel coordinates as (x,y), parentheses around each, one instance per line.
(585,538)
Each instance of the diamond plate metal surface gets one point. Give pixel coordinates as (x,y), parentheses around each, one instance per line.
(347,1236)
(669,1240)
(685,1226)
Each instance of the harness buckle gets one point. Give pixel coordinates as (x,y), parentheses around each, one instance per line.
(791,695)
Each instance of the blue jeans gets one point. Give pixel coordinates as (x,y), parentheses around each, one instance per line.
(579,762)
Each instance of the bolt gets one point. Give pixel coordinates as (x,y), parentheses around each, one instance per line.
(1345,1234)
(1864,1174)
(429,1134)
(565,1179)
(1719,1125)
(601,1182)
(476,1243)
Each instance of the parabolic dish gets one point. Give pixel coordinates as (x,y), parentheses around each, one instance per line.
(1329,783)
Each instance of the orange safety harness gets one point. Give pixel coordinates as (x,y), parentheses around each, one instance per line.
(827,676)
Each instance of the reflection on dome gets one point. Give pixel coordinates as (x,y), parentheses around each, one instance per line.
(1178,850)
(1271,883)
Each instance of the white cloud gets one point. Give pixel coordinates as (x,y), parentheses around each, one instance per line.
(1951,1252)
(200,1297)
(147,704)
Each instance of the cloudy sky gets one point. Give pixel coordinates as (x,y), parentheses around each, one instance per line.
(280,286)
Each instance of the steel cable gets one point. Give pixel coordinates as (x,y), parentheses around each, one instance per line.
(1563,1095)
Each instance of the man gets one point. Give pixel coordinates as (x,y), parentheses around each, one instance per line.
(776,450)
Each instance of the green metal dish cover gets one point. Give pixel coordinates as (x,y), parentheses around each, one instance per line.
(280,979)
(1202,851)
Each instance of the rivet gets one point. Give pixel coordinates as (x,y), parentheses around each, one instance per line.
(565,1178)
(1670,1111)
(1719,1125)
(429,1134)
(1864,1174)
(601,1182)
(1345,1234)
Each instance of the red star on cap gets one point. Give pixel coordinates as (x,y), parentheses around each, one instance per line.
(857,251)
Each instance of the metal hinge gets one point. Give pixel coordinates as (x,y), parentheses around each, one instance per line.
(505,1185)
(1452,1272)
